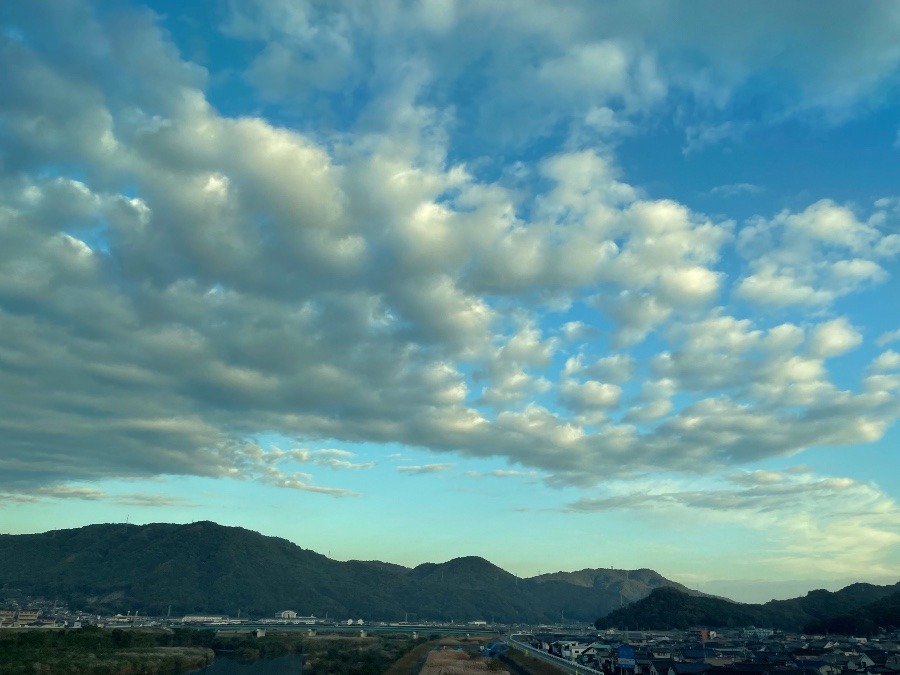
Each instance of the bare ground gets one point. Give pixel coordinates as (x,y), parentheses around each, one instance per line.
(454,662)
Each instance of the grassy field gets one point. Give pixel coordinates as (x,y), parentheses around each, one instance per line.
(411,662)
(522,664)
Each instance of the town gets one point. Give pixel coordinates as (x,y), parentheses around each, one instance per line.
(572,648)
(745,651)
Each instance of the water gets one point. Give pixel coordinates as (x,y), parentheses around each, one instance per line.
(290,663)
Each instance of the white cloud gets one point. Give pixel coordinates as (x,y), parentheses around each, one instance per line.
(886,361)
(575,330)
(560,63)
(590,396)
(636,314)
(655,401)
(812,257)
(175,279)
(425,468)
(64,491)
(332,458)
(512,473)
(617,368)
(604,70)
(770,286)
(795,509)
(833,338)
(690,285)
(887,338)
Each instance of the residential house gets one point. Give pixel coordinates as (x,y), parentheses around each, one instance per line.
(685,668)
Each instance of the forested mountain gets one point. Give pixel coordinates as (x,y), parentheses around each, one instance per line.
(209,568)
(859,609)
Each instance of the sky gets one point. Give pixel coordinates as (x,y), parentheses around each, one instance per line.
(564,285)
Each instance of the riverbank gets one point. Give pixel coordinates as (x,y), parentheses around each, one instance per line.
(155,651)
(147,661)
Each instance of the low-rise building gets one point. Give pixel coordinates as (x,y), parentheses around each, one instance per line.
(203,618)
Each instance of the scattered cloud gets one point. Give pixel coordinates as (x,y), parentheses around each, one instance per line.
(888,338)
(697,138)
(425,468)
(10,495)
(735,189)
(795,509)
(814,257)
(512,473)
(150,500)
(330,457)
(502,473)
(179,274)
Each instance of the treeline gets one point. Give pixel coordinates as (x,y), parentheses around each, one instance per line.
(882,614)
(95,651)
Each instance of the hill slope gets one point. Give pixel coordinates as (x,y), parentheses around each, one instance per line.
(856,609)
(208,568)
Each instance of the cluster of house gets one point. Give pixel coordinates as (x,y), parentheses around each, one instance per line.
(750,652)
(10,618)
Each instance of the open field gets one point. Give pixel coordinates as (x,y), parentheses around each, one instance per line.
(454,662)
(425,655)
(522,664)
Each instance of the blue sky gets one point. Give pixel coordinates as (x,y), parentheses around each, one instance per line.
(563,285)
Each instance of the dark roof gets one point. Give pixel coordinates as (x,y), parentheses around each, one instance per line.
(878,656)
(689,668)
(738,670)
(698,654)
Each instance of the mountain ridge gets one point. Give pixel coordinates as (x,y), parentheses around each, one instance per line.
(204,567)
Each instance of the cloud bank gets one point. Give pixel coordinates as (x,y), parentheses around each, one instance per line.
(433,246)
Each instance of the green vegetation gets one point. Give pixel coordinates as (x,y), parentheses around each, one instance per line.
(860,609)
(668,609)
(410,663)
(205,568)
(356,656)
(866,620)
(519,663)
(94,651)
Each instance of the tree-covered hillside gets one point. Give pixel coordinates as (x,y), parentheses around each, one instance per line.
(858,609)
(207,568)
